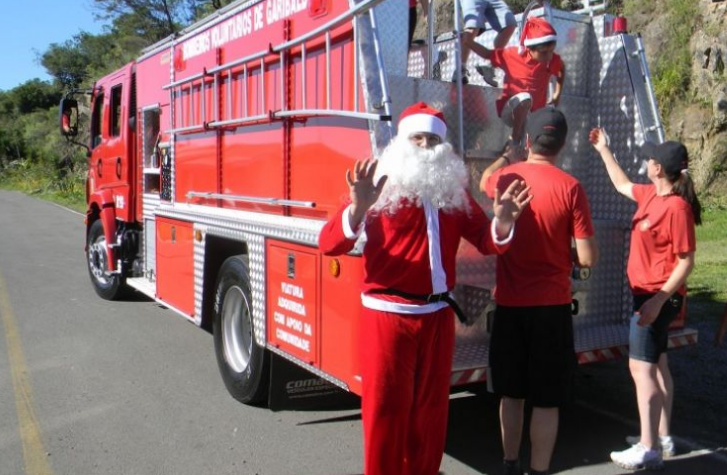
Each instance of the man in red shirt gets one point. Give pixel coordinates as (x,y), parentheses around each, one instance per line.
(531,348)
(413,207)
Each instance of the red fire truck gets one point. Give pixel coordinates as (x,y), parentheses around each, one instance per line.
(216,157)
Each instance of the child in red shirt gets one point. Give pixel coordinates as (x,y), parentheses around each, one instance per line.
(528,70)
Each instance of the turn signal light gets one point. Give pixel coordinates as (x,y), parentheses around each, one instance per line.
(334,267)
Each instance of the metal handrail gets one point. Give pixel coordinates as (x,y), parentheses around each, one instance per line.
(590,6)
(251,199)
(658,126)
(458,75)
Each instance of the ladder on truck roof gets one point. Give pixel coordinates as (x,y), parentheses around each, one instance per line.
(249,73)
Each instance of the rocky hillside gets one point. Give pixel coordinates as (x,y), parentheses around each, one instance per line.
(693,100)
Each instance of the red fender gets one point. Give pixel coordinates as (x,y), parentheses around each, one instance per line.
(104,200)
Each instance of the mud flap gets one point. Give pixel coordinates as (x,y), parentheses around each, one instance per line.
(293,388)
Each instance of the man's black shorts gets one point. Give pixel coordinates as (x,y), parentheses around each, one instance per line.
(532,355)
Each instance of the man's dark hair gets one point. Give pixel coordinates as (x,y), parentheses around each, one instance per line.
(547,145)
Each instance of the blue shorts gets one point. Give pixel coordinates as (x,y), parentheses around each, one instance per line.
(477,13)
(647,343)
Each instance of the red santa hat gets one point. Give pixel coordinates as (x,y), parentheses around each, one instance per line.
(420,117)
(536,32)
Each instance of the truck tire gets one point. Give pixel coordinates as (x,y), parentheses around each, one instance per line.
(107,286)
(243,363)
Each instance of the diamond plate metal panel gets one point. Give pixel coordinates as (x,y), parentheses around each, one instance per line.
(149,205)
(150,249)
(615,110)
(392,26)
(601,298)
(256,264)
(199,254)
(310,368)
(482,127)
(574,37)
(251,228)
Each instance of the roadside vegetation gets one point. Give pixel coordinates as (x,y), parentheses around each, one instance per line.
(36,160)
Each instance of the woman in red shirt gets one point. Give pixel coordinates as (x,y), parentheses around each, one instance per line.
(660,259)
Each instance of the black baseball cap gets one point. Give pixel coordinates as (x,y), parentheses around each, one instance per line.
(673,156)
(547,121)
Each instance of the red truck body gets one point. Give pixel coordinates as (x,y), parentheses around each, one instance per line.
(217,156)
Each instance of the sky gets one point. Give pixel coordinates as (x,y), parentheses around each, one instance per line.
(27,29)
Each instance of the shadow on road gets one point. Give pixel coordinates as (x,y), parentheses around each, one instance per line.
(588,433)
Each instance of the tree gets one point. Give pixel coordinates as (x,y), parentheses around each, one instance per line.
(87,56)
(34,95)
(200,8)
(156,19)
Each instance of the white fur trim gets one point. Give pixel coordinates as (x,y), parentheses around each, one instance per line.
(422,123)
(373,303)
(493,232)
(540,40)
(508,109)
(439,276)
(348,231)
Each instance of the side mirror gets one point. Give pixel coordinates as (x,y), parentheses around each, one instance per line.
(68,119)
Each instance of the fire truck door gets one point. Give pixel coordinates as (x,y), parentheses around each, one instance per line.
(111,145)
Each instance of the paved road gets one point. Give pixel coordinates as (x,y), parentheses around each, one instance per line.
(93,387)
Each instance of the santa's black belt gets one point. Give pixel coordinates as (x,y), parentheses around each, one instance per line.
(429,298)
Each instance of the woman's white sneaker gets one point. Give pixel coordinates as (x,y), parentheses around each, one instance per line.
(638,457)
(667,444)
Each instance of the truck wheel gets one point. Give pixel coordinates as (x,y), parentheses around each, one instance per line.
(242,362)
(107,286)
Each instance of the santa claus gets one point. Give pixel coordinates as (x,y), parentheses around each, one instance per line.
(412,208)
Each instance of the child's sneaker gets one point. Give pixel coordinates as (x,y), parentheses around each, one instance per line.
(667,445)
(638,457)
(488,74)
(465,76)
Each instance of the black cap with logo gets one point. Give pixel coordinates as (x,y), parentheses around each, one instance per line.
(673,156)
(547,121)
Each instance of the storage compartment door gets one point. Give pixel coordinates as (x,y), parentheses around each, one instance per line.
(175,264)
(293,301)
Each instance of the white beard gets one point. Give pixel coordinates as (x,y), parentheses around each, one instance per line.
(416,175)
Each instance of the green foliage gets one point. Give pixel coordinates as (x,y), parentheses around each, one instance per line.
(672,71)
(200,9)
(153,19)
(75,60)
(34,158)
(708,281)
(33,95)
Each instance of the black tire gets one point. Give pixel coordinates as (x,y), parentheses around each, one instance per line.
(107,286)
(243,364)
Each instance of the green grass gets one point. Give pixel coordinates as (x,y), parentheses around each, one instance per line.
(39,181)
(708,281)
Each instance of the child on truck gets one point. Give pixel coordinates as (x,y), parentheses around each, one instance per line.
(528,71)
(476,14)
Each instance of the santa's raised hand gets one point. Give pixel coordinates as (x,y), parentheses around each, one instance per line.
(362,190)
(508,205)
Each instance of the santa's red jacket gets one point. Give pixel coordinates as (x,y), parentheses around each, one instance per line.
(412,250)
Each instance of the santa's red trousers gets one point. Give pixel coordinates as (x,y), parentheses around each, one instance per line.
(406,363)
